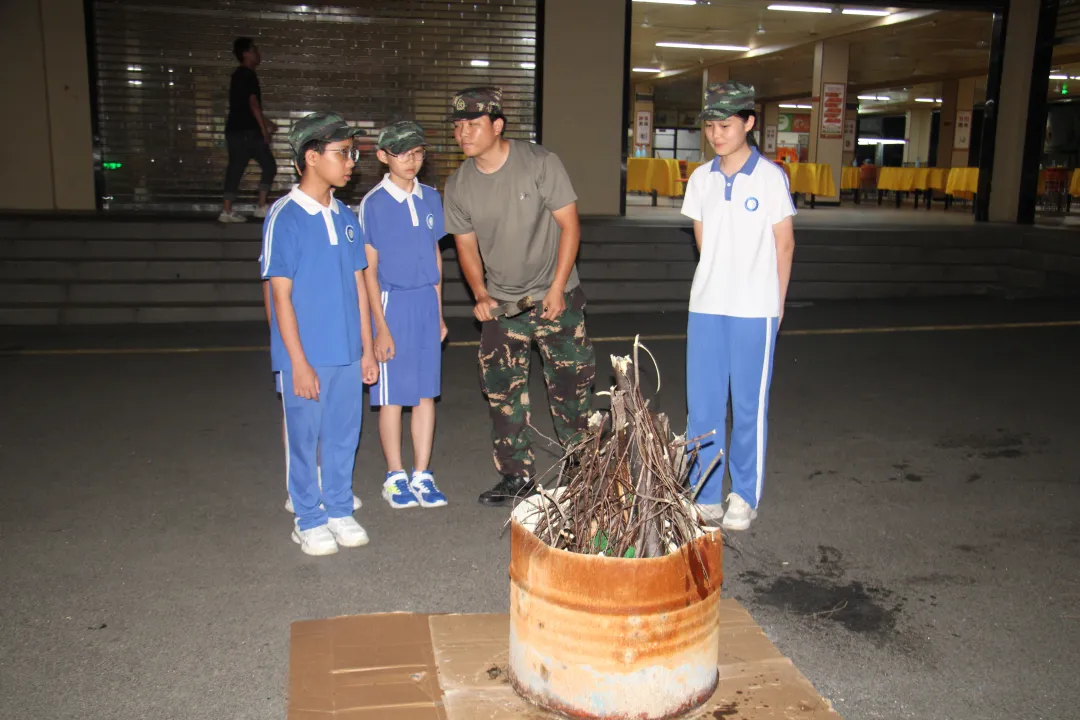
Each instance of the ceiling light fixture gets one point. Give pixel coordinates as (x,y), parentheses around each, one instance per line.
(802,9)
(929,100)
(695,46)
(648,70)
(669,2)
(528,65)
(479,63)
(791,106)
(1059,77)
(862,11)
(881,141)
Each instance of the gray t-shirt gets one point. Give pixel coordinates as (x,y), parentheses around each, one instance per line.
(510,212)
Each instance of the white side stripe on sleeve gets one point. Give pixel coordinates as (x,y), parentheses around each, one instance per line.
(268,232)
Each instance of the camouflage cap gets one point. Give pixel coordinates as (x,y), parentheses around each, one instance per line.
(474,102)
(399,137)
(325,126)
(722,100)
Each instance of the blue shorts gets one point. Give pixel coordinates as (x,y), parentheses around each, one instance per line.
(415,371)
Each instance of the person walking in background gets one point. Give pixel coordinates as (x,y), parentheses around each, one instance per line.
(247,132)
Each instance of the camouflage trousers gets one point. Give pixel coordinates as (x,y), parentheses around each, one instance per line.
(569,371)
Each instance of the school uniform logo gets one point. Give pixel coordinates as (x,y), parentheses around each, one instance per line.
(751,204)
(350,233)
(430,222)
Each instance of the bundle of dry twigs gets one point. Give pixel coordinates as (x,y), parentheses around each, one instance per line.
(629,495)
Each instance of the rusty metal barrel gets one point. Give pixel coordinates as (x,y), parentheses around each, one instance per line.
(604,638)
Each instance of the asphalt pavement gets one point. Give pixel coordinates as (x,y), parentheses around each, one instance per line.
(916,554)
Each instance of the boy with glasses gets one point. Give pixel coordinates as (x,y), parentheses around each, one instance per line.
(402,222)
(320,332)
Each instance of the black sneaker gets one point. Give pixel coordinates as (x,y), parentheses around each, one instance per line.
(510,488)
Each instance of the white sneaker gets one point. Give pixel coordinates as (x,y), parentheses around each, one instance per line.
(739,513)
(347,532)
(712,514)
(356,504)
(260,212)
(318,470)
(316,541)
(231,217)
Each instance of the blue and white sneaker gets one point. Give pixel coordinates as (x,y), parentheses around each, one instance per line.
(423,486)
(396,491)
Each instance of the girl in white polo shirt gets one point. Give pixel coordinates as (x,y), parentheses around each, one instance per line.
(742,209)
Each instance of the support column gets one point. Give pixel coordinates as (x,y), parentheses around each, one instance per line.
(947,123)
(954,130)
(43,51)
(715,74)
(828,112)
(585,65)
(1009,175)
(965,105)
(769,117)
(917,134)
(643,103)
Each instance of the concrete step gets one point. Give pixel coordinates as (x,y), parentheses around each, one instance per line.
(105,271)
(154,258)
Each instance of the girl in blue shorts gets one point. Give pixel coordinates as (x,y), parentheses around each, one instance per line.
(402,222)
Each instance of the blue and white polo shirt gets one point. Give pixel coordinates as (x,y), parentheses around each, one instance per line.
(320,249)
(737,273)
(404,228)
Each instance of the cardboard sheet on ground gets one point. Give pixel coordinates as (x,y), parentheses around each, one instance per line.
(402,666)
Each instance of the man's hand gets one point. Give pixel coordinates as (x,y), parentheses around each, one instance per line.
(305,382)
(384,346)
(484,305)
(554,304)
(369,369)
(443,330)
(266,135)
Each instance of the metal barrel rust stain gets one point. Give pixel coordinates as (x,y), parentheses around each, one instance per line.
(604,638)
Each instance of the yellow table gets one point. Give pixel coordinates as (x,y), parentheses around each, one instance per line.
(909,179)
(902,180)
(811,179)
(962,181)
(850,178)
(691,166)
(648,175)
(1074,183)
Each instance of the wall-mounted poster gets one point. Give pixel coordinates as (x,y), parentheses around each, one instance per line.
(644,127)
(832,110)
(770,139)
(962,137)
(849,135)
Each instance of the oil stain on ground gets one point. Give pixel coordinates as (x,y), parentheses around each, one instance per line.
(860,608)
(822,595)
(1000,444)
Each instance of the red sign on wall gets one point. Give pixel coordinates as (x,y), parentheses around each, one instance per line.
(832,110)
(800,123)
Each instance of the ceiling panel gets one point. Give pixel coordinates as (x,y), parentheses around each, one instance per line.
(917,47)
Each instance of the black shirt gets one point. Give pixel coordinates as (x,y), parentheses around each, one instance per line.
(244,84)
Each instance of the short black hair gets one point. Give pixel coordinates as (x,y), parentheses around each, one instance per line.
(318,146)
(240,46)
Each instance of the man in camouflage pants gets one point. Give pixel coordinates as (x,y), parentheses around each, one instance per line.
(513,214)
